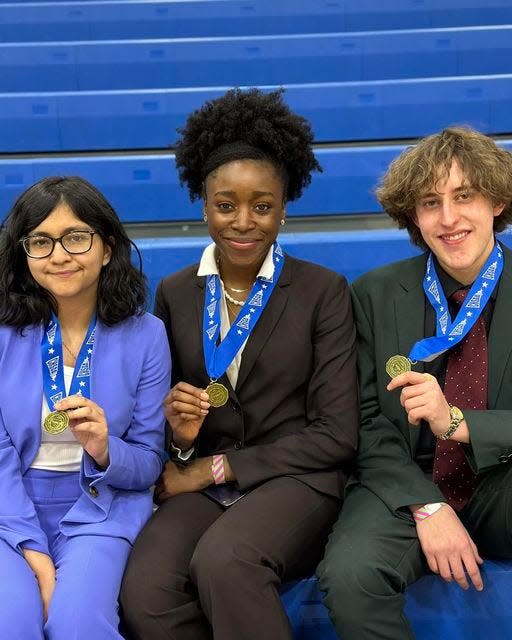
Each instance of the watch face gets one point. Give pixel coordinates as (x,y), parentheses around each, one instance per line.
(457,413)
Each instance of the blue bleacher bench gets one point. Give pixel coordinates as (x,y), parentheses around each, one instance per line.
(146,188)
(255,60)
(63,20)
(351,111)
(350,253)
(437,610)
(67,21)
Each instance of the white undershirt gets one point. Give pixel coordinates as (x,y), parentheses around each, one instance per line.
(58,452)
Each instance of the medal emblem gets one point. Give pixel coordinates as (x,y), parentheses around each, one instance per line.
(56,422)
(217,394)
(397,365)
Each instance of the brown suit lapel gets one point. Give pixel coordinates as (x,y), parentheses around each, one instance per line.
(266,324)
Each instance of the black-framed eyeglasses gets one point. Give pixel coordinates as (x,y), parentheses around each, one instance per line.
(74,242)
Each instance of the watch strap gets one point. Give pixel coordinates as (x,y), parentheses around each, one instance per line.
(456,417)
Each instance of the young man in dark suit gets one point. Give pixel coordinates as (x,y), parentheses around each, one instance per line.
(434,479)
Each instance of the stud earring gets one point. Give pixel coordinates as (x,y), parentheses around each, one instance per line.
(283,222)
(205,218)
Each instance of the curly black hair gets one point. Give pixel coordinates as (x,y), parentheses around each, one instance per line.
(247,124)
(122,290)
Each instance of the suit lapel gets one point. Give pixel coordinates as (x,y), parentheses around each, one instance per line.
(410,310)
(410,322)
(499,349)
(266,324)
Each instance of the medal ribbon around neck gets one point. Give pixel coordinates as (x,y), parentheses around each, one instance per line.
(218,357)
(53,372)
(449,333)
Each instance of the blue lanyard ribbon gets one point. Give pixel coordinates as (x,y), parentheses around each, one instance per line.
(218,357)
(53,364)
(448,332)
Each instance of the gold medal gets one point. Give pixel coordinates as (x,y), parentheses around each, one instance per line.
(56,422)
(397,365)
(217,394)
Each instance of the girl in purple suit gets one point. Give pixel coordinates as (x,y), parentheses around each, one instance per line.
(84,372)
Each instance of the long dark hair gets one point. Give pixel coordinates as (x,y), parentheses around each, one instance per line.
(122,290)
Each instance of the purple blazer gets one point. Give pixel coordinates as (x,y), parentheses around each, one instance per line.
(130,377)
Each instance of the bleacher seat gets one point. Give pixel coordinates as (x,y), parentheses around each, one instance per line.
(68,21)
(437,610)
(350,253)
(255,60)
(145,188)
(144,119)
(65,20)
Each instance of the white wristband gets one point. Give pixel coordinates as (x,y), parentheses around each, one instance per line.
(427,510)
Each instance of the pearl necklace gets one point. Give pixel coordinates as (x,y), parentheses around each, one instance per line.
(239,303)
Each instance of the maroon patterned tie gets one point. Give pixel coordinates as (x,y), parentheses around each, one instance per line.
(465,387)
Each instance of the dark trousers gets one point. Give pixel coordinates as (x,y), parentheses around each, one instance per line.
(373,555)
(199,571)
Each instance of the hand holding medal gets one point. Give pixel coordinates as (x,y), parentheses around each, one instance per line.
(185,408)
(421,396)
(422,399)
(88,424)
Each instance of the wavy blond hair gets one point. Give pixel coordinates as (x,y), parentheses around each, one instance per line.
(486,167)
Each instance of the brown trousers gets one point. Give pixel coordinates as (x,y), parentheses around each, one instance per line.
(199,571)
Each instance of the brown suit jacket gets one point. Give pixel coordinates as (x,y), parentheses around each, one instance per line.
(294,411)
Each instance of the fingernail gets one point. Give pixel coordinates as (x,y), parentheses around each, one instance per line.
(205,405)
(204,412)
(204,396)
